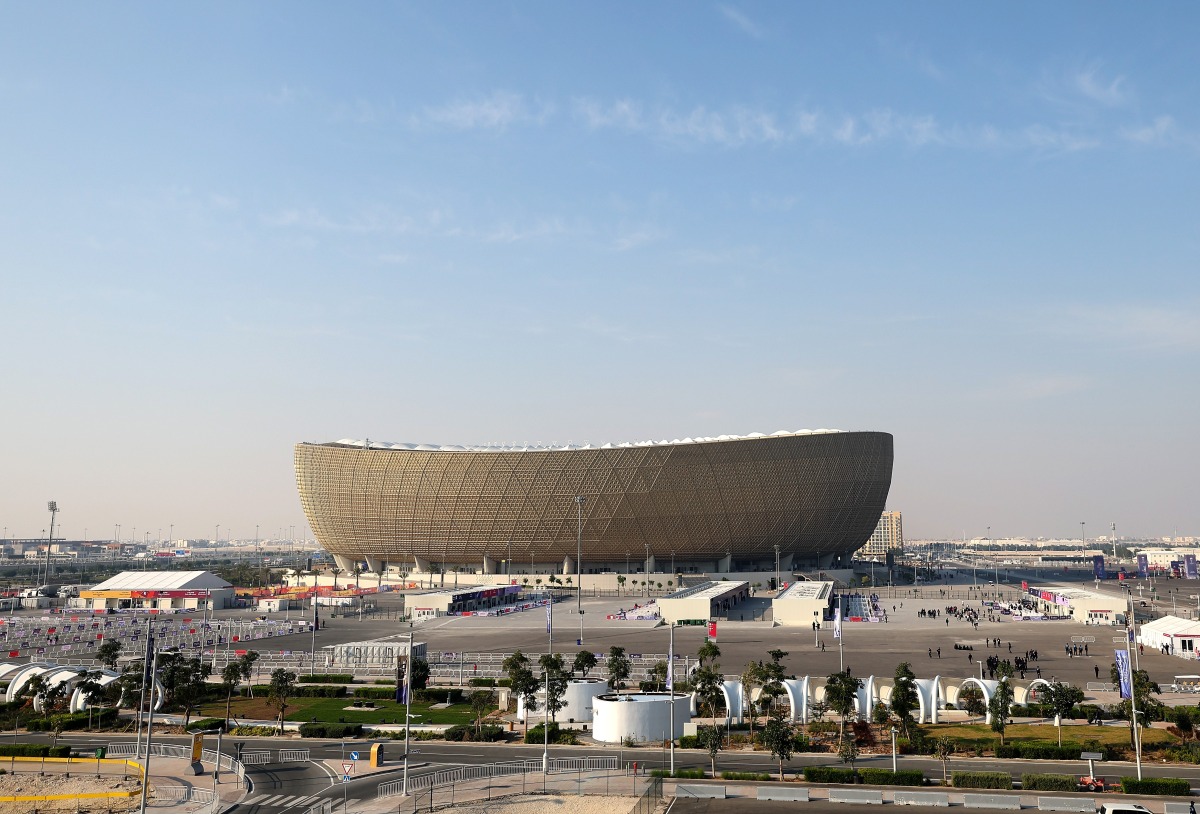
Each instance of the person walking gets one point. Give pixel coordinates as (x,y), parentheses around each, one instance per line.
(1096,667)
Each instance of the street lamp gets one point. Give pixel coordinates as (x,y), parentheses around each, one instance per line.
(894,731)
(52,506)
(777,567)
(579,501)
(216,762)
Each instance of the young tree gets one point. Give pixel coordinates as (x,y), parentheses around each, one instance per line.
(619,668)
(752,679)
(585,661)
(554,679)
(418,673)
(481,705)
(184,679)
(943,750)
(1061,698)
(620,585)
(711,739)
(970,698)
(904,695)
(658,675)
(245,663)
(1143,690)
(283,687)
(707,681)
(1002,698)
(108,653)
(523,682)
(779,737)
(231,676)
(848,751)
(841,691)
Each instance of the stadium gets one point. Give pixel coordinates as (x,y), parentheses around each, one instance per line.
(704,504)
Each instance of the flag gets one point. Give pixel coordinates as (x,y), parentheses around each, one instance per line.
(1123,674)
(671,661)
(837,623)
(712,631)
(548,619)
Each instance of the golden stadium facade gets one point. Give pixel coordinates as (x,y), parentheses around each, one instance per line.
(710,504)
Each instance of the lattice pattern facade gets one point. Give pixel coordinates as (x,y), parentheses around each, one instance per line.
(819,494)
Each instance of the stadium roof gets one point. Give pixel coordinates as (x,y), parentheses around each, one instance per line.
(163,581)
(539,447)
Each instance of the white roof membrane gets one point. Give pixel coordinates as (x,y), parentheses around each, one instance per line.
(540,447)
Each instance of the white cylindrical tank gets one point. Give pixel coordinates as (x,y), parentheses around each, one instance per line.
(644,716)
(578,696)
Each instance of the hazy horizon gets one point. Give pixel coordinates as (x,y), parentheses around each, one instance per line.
(229,228)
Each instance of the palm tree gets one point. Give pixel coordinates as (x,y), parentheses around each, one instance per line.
(620,584)
(335,571)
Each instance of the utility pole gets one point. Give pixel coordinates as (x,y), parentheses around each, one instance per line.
(579,501)
(53,507)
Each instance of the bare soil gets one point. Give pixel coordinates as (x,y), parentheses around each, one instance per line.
(30,784)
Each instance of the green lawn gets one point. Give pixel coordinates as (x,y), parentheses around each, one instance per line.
(332,710)
(971,735)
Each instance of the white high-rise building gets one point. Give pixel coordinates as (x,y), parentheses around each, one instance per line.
(888,536)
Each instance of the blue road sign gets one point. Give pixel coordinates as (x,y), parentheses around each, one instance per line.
(354,755)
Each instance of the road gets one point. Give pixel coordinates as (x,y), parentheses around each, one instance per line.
(294,787)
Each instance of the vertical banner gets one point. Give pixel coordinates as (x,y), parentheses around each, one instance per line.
(712,631)
(1143,563)
(837,623)
(1098,571)
(671,661)
(1126,679)
(1189,565)
(197,747)
(548,621)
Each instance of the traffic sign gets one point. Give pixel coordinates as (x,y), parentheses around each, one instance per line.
(345,778)
(354,755)
(347,768)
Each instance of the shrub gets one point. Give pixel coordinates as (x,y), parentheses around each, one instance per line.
(439,695)
(319,730)
(207,723)
(461,732)
(886,777)
(315,691)
(682,774)
(254,731)
(981,780)
(1157,785)
(828,774)
(689,742)
(1049,782)
(376,693)
(326,678)
(77,720)
(1045,750)
(801,743)
(482,682)
(33,750)
(536,734)
(757,776)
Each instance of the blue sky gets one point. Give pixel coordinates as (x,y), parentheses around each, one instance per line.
(225,228)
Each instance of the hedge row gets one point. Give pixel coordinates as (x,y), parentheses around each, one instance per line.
(33,750)
(487,733)
(828,774)
(886,777)
(757,776)
(318,730)
(1038,750)
(326,678)
(377,693)
(537,734)
(1049,782)
(264,690)
(981,780)
(681,774)
(77,720)
(439,695)
(207,723)
(1157,785)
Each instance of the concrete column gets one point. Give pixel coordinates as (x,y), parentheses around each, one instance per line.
(650,565)
(343,562)
(725,564)
(420,564)
(568,567)
(489,565)
(374,564)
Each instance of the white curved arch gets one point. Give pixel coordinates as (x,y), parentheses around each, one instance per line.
(55,676)
(1021,694)
(988,687)
(929,691)
(79,701)
(732,689)
(21,677)
(7,668)
(867,696)
(797,695)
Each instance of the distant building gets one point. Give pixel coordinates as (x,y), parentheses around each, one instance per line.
(888,536)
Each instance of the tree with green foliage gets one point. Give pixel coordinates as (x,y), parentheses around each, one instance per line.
(245,663)
(711,739)
(481,705)
(943,750)
(231,676)
(418,674)
(619,668)
(848,751)
(658,675)
(1061,698)
(92,691)
(998,706)
(753,678)
(905,700)
(772,681)
(523,682)
(780,739)
(281,691)
(1148,707)
(185,681)
(554,680)
(841,691)
(970,698)
(108,653)
(880,714)
(620,585)
(707,681)
(585,661)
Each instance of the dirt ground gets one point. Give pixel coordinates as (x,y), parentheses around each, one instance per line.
(28,783)
(541,804)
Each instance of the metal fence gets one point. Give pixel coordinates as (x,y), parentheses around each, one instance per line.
(183,794)
(256,758)
(292,756)
(607,782)
(650,798)
(227,762)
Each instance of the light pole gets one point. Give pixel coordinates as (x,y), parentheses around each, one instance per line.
(646,572)
(53,508)
(671,689)
(579,501)
(777,566)
(894,730)
(549,652)
(407,704)
(216,765)
(1082,539)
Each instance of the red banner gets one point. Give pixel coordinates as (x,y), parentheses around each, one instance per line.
(712,631)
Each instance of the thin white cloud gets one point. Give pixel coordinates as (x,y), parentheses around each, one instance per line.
(622,114)
(634,238)
(495,112)
(1161,131)
(1109,92)
(739,19)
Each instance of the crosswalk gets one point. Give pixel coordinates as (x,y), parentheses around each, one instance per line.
(286,801)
